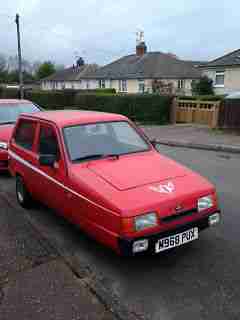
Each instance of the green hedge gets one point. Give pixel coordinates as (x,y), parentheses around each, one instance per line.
(88,91)
(9,93)
(14,93)
(141,108)
(150,108)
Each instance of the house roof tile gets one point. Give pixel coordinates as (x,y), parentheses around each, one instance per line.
(73,73)
(230,59)
(152,65)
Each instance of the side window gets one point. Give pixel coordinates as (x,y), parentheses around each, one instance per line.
(48,144)
(25,134)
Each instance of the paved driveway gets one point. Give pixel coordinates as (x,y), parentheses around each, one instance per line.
(198,281)
(195,134)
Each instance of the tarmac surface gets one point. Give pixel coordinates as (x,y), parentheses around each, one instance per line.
(195,136)
(197,281)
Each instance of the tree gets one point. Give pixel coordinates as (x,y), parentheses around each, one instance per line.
(3,63)
(204,86)
(59,67)
(13,76)
(45,69)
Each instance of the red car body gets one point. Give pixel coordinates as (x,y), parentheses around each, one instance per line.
(6,129)
(105,196)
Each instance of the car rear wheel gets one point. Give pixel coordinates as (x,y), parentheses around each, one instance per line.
(23,196)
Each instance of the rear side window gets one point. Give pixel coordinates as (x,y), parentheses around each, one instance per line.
(25,134)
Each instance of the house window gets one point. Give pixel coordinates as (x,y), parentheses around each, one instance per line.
(87,84)
(141,86)
(122,85)
(181,84)
(219,79)
(102,84)
(110,83)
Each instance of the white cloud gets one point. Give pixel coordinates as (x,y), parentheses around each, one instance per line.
(103,30)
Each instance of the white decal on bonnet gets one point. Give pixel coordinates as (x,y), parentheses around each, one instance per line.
(163,188)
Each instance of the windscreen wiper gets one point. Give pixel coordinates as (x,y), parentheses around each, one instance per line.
(89,157)
(7,122)
(96,156)
(112,155)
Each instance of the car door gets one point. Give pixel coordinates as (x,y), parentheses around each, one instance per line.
(23,148)
(52,179)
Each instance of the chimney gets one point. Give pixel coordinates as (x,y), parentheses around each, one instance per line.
(141,47)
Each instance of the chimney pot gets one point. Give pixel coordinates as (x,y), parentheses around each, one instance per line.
(141,49)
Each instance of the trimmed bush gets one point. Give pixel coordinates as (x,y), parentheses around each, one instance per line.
(150,108)
(142,108)
(88,91)
(9,93)
(51,99)
(105,91)
(204,86)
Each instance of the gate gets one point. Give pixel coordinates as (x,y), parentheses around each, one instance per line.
(201,112)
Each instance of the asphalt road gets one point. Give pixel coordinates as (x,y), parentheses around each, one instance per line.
(198,281)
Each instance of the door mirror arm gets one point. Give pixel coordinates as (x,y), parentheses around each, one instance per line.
(47,160)
(154,143)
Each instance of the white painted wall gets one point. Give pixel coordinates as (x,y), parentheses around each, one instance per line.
(231,79)
(132,85)
(77,85)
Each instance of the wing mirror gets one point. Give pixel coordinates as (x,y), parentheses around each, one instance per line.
(47,160)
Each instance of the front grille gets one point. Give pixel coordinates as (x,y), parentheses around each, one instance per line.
(179,215)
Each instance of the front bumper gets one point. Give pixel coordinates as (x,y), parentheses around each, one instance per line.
(3,160)
(126,245)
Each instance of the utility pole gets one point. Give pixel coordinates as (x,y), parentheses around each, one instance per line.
(19,58)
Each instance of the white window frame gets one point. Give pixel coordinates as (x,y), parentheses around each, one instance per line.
(102,83)
(219,73)
(141,85)
(63,85)
(122,85)
(181,84)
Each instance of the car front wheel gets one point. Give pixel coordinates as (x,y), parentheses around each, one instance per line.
(23,196)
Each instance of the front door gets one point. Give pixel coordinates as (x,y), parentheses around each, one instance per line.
(51,179)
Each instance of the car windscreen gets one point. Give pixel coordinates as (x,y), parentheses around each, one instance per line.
(93,141)
(9,112)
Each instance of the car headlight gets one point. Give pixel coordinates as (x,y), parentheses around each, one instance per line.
(205,203)
(3,145)
(146,221)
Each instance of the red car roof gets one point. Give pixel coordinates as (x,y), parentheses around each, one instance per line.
(9,101)
(72,117)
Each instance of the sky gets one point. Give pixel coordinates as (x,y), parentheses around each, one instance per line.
(102,31)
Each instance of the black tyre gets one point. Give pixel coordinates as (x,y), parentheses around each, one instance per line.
(23,196)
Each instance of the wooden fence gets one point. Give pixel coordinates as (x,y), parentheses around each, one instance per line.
(229,116)
(201,112)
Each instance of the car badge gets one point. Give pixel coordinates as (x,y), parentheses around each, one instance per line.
(164,188)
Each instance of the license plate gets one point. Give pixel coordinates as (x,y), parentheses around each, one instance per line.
(176,240)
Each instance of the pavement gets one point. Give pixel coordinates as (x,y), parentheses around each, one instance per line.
(38,282)
(195,136)
(51,277)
